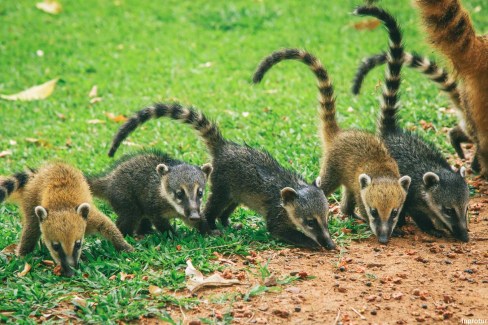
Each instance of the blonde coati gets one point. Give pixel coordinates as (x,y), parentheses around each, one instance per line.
(355,159)
(295,212)
(438,197)
(151,188)
(56,204)
(451,31)
(464,132)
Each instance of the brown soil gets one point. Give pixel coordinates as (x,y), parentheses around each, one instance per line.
(414,279)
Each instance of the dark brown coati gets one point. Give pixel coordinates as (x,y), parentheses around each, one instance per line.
(451,31)
(295,212)
(56,204)
(464,132)
(151,188)
(438,196)
(355,159)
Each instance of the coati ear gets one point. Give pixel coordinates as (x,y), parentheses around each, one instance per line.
(83,210)
(162,169)
(405,182)
(207,169)
(317,182)
(41,213)
(364,180)
(288,195)
(462,172)
(430,179)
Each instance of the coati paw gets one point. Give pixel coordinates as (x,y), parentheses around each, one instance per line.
(126,248)
(435,233)
(215,232)
(398,233)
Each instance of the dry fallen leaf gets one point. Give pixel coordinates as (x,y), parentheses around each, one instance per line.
(196,280)
(368,24)
(50,6)
(95,100)
(154,290)
(27,268)
(96,121)
(48,262)
(117,119)
(125,276)
(77,301)
(5,153)
(57,270)
(35,93)
(10,249)
(93,92)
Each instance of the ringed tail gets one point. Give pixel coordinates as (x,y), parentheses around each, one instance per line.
(14,183)
(415,61)
(330,128)
(395,55)
(208,130)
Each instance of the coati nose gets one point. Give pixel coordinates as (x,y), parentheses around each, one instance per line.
(194,215)
(67,272)
(463,236)
(383,239)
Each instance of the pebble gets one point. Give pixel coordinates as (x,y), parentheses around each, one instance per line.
(374,312)
(298,309)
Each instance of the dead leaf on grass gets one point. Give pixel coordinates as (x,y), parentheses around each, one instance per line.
(10,249)
(95,121)
(34,93)
(93,92)
(95,100)
(5,153)
(27,268)
(196,280)
(125,276)
(117,119)
(50,6)
(57,270)
(368,24)
(155,290)
(80,302)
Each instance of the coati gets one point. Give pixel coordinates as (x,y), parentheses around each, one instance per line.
(150,188)
(357,160)
(438,197)
(462,133)
(295,212)
(451,31)
(56,204)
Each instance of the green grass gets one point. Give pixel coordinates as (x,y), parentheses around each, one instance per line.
(200,53)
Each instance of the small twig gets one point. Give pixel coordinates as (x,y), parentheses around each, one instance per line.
(337,317)
(361,316)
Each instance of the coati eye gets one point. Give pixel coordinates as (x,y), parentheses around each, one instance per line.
(310,223)
(394,213)
(180,195)
(78,244)
(374,213)
(200,192)
(56,246)
(449,211)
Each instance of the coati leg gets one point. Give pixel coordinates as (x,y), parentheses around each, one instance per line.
(31,232)
(348,203)
(128,218)
(475,164)
(457,136)
(100,223)
(217,204)
(329,180)
(424,224)
(163,225)
(145,227)
(224,217)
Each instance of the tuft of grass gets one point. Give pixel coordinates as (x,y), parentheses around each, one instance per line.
(200,53)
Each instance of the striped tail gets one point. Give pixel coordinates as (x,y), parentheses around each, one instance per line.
(415,61)
(389,106)
(330,128)
(450,29)
(208,130)
(11,184)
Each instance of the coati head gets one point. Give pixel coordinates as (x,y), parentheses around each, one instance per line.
(383,200)
(447,196)
(62,233)
(183,187)
(308,209)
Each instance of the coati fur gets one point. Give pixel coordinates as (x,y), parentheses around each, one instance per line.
(438,197)
(149,188)
(464,132)
(451,31)
(295,212)
(355,159)
(56,205)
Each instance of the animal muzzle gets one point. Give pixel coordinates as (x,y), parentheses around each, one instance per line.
(461,234)
(67,266)
(325,241)
(194,215)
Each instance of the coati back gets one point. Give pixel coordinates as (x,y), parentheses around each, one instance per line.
(464,132)
(451,31)
(151,188)
(438,197)
(357,160)
(295,212)
(56,204)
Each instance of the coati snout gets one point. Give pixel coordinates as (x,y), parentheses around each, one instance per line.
(183,186)
(62,233)
(308,209)
(383,200)
(447,207)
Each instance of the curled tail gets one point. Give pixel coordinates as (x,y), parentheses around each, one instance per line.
(389,106)
(14,183)
(450,30)
(208,130)
(330,128)
(415,61)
